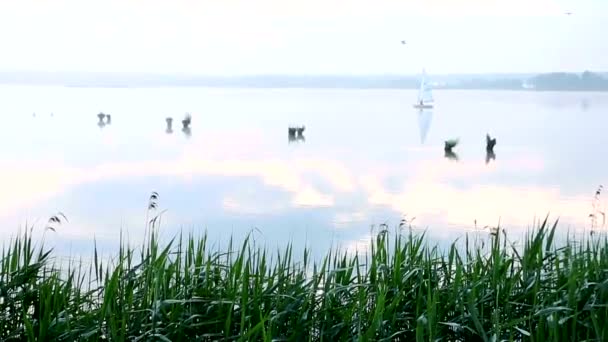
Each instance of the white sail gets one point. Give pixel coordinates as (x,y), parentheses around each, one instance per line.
(425,93)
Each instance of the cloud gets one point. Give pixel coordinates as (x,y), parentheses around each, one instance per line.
(437,192)
(27,183)
(430,197)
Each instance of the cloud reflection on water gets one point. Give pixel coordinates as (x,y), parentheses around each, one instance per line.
(346,176)
(426,192)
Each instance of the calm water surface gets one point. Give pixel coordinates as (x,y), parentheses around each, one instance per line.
(368,158)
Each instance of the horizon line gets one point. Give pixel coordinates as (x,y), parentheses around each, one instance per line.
(199,74)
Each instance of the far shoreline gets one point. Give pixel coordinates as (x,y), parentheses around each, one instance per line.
(555,81)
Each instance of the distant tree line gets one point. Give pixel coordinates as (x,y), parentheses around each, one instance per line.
(586,81)
(497,84)
(570,81)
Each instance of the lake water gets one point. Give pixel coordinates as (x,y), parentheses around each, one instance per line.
(368,158)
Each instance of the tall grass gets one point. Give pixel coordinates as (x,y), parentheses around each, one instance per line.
(404,289)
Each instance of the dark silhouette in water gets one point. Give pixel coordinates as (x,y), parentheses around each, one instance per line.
(101,123)
(296,138)
(293,130)
(108,119)
(186,125)
(490,143)
(490,155)
(187,121)
(296,134)
(187,131)
(447,149)
(169,129)
(300,130)
(451,155)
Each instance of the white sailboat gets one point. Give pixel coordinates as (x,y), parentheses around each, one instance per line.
(425,94)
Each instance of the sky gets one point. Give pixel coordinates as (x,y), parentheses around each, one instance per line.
(244,37)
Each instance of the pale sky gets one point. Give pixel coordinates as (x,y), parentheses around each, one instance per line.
(235,37)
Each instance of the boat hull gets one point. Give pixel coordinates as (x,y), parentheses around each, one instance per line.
(425,106)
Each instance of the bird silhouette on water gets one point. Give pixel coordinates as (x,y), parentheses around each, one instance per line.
(490,143)
(448,152)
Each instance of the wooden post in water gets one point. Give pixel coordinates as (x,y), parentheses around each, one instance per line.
(169,129)
(101,123)
(186,125)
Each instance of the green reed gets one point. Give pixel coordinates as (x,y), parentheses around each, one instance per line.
(403,289)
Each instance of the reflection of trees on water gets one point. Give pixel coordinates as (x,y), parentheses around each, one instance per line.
(584,104)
